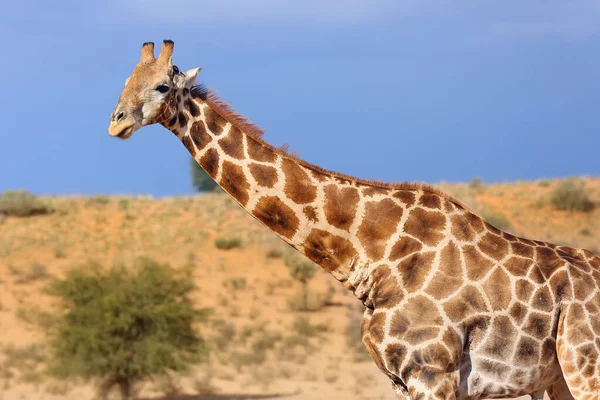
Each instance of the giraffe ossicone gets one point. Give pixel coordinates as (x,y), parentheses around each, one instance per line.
(454,307)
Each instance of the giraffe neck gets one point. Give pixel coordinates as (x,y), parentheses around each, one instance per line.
(345,226)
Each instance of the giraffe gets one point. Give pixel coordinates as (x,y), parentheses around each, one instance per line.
(454,307)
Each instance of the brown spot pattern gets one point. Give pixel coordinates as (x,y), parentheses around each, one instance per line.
(214,122)
(497,289)
(210,162)
(449,206)
(340,205)
(527,353)
(477,265)
(578,330)
(234,182)
(199,135)
(405,246)
(475,222)
(548,261)
(264,175)
(448,278)
(329,251)
(430,200)
(232,143)
(319,176)
(259,152)
(182,119)
(468,302)
(415,269)
(542,299)
(373,190)
(524,290)
(518,266)
(311,213)
(494,246)
(537,325)
(426,226)
(461,228)
(192,108)
(522,249)
(504,336)
(379,223)
(405,196)
(386,292)
(189,145)
(518,313)
(277,215)
(376,327)
(394,355)
(560,285)
(418,320)
(298,186)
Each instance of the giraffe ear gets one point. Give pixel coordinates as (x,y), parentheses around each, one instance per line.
(186,79)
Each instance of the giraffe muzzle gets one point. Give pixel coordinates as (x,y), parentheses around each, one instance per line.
(121,131)
(121,125)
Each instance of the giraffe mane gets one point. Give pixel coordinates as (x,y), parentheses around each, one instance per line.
(256,133)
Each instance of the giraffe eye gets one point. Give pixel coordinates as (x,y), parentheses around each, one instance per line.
(162,88)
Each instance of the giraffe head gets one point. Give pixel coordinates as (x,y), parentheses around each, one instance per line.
(149,95)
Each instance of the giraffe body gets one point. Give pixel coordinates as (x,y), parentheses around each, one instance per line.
(454,308)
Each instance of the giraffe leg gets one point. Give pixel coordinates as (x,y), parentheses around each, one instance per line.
(560,391)
(578,355)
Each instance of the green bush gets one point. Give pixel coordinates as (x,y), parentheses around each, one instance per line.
(125,325)
(228,243)
(570,195)
(20,203)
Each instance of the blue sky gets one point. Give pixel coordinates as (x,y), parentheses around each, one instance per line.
(424,90)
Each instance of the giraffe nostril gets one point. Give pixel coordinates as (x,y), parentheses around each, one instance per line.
(118,117)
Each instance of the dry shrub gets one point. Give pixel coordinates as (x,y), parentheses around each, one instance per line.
(571,195)
(228,243)
(20,203)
